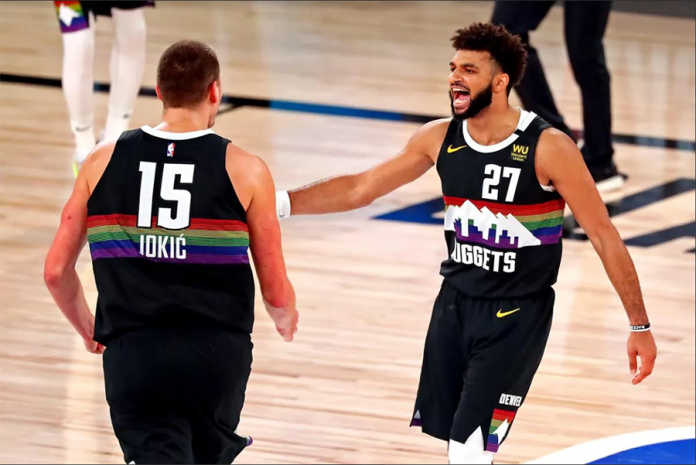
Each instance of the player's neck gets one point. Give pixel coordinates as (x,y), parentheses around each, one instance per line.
(183,120)
(494,124)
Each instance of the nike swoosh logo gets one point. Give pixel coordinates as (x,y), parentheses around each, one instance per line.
(502,314)
(452,150)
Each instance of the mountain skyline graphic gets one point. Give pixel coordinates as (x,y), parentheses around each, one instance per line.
(484,227)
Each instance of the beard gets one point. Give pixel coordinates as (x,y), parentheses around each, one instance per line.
(480,102)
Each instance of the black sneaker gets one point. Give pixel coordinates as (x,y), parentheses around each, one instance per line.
(607,178)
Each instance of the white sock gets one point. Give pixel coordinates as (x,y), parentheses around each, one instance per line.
(127,65)
(470,452)
(78,87)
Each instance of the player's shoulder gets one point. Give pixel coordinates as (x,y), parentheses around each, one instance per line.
(95,164)
(102,151)
(246,170)
(431,132)
(241,160)
(429,137)
(552,139)
(554,146)
(248,173)
(436,127)
(552,136)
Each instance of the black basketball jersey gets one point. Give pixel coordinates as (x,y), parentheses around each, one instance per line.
(168,236)
(503,229)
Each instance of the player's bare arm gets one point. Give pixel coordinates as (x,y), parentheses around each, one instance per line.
(60,275)
(560,162)
(256,191)
(348,192)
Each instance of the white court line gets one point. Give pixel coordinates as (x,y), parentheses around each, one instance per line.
(604,447)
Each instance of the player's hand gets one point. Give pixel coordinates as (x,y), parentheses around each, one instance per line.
(286,322)
(288,326)
(641,345)
(285,319)
(93,347)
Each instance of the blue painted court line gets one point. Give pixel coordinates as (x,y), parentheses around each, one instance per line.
(236,102)
(672,452)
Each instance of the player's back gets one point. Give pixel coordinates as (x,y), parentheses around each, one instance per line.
(168,236)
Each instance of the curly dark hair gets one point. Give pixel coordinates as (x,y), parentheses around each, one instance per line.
(506,50)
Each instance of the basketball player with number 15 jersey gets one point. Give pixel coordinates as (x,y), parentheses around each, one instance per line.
(505,176)
(170,213)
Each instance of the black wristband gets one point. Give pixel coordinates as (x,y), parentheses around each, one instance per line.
(640,328)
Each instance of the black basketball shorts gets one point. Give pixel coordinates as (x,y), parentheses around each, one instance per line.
(176,395)
(479,361)
(75,15)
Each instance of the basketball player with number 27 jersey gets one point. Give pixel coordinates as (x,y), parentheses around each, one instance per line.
(170,213)
(506,176)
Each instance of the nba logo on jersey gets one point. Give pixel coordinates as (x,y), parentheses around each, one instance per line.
(170,150)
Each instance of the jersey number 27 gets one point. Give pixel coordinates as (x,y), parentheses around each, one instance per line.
(490,184)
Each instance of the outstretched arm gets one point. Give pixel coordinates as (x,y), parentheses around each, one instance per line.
(560,161)
(348,192)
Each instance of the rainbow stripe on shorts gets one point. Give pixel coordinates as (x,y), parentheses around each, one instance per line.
(71,16)
(500,424)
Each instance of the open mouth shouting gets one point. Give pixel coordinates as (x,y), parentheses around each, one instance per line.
(460,98)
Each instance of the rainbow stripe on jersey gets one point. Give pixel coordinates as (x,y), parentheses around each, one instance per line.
(503,225)
(205,241)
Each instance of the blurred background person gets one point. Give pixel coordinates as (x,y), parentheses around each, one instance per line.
(585,24)
(77,25)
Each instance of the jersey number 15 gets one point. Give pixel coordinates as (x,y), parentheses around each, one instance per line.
(167,192)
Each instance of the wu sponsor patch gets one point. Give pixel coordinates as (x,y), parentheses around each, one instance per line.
(519,152)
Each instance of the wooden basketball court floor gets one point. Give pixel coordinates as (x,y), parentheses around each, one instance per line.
(343,392)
